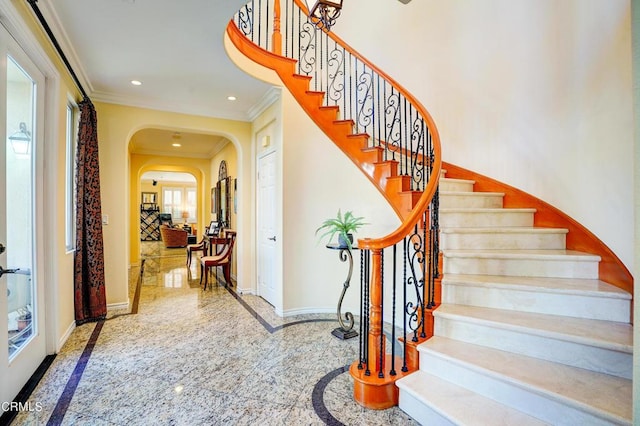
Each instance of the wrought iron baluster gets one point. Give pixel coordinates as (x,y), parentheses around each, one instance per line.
(404,304)
(344,81)
(367,371)
(377,118)
(382,337)
(425,271)
(267,31)
(393,314)
(259,22)
(361,309)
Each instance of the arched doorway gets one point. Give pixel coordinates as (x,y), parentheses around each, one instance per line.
(153,155)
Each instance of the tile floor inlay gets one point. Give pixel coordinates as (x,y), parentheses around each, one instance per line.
(194,357)
(65,399)
(270,328)
(318,397)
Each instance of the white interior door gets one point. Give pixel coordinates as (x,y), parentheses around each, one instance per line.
(267,237)
(21,290)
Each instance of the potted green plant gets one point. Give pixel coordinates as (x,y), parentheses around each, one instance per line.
(343,227)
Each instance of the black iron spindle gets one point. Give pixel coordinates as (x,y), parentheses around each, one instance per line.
(382,337)
(367,371)
(425,273)
(404,304)
(393,313)
(361,308)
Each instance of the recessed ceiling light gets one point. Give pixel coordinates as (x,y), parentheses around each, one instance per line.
(176,144)
(231,98)
(136,82)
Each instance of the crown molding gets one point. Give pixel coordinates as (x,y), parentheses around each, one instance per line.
(52,19)
(271,96)
(218,147)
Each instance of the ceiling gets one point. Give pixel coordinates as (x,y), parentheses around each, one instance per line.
(167,177)
(174,47)
(162,141)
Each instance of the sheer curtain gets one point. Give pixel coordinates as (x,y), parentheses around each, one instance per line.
(89,287)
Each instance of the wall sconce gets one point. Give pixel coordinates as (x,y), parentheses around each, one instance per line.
(21,140)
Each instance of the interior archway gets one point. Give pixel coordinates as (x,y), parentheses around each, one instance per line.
(153,150)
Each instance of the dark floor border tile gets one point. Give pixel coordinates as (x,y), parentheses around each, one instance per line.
(7,417)
(317,397)
(270,328)
(69,390)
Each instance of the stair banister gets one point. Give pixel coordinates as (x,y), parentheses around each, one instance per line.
(414,217)
(402,135)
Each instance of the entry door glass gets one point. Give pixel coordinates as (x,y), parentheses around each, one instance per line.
(22,300)
(19,208)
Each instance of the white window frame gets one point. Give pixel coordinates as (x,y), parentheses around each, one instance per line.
(176,216)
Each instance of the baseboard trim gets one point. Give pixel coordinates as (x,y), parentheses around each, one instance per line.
(120,305)
(65,336)
(292,312)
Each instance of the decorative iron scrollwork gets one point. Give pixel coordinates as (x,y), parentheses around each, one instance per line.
(243,21)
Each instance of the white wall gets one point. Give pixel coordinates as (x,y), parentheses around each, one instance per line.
(535,93)
(318,179)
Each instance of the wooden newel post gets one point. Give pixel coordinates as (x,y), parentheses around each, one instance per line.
(376,337)
(276,39)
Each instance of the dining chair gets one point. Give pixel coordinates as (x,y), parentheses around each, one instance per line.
(201,246)
(222,259)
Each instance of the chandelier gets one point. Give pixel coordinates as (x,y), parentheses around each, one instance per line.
(324,13)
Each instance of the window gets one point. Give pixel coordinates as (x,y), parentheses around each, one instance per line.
(176,200)
(70,180)
(172,203)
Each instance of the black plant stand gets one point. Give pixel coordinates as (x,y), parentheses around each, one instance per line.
(344,331)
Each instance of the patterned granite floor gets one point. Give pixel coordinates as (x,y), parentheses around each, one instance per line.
(194,357)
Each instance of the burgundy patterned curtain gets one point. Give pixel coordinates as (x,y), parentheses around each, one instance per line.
(89,291)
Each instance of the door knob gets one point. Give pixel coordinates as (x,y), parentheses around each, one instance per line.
(8,271)
(272,238)
(2,248)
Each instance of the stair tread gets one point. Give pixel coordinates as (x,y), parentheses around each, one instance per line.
(610,335)
(460,405)
(546,254)
(505,230)
(587,287)
(486,210)
(454,180)
(597,393)
(472,194)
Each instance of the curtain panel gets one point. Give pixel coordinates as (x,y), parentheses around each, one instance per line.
(89,286)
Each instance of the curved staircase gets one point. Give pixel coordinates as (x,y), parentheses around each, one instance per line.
(528,327)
